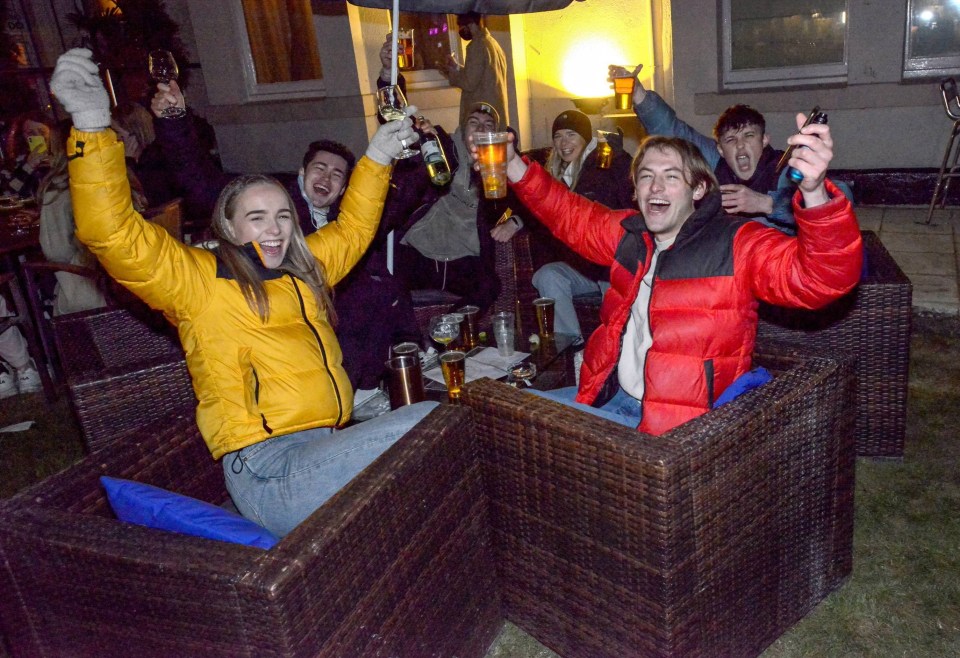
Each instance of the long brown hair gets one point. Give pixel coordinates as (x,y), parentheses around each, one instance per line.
(298,261)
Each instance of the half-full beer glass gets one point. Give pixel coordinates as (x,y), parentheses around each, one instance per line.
(453,364)
(405,49)
(544,307)
(492,154)
(623,91)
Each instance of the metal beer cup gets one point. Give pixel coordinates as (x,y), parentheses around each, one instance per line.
(453,364)
(544,307)
(404,381)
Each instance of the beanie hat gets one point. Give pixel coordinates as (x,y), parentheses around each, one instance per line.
(485,108)
(576,121)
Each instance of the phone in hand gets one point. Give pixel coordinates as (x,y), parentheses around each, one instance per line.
(36,143)
(786,154)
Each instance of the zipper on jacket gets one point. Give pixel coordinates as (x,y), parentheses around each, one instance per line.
(323,349)
(256,398)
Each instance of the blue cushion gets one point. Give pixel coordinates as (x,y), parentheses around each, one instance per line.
(745,382)
(154,507)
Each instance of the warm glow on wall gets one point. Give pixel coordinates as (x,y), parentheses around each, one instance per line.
(585,67)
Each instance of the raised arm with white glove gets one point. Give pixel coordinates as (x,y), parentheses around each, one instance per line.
(392,137)
(76,84)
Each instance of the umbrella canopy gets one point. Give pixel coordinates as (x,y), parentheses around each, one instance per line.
(464,6)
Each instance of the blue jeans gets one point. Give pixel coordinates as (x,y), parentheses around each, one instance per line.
(562,283)
(622,408)
(279,482)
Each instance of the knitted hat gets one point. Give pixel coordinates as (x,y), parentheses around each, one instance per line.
(485,108)
(576,121)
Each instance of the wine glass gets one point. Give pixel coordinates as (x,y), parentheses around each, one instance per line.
(444,329)
(391,104)
(163,68)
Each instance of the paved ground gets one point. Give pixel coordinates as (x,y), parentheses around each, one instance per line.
(928,254)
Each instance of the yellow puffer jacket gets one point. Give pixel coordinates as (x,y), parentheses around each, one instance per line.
(253,380)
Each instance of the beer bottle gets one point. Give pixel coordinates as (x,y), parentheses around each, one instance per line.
(434,158)
(604,151)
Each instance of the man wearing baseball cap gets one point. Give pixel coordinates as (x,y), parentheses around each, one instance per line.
(447,234)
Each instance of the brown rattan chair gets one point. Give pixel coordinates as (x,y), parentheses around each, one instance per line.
(398,563)
(124,369)
(710,540)
(874,323)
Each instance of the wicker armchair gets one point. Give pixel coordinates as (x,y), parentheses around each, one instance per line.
(397,564)
(710,540)
(124,369)
(873,322)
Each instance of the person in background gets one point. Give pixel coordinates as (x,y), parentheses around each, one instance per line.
(254,314)
(18,372)
(367,292)
(27,149)
(135,128)
(679,322)
(739,153)
(448,234)
(73,293)
(483,76)
(573,160)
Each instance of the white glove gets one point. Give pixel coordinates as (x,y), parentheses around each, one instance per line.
(76,84)
(392,137)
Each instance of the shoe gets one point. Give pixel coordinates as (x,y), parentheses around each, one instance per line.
(8,384)
(28,380)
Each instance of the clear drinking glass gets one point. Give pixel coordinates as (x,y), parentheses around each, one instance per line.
(445,328)
(163,68)
(391,104)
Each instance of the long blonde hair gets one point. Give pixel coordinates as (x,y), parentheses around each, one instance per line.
(56,178)
(298,261)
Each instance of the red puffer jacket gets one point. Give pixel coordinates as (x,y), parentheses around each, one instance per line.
(703,305)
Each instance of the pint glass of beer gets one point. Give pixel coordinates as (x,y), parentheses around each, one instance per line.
(544,308)
(453,364)
(468,328)
(623,91)
(492,152)
(405,49)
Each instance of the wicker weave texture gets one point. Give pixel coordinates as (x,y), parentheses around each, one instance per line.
(398,563)
(874,323)
(125,370)
(710,540)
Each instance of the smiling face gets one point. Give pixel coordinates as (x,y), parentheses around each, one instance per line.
(741,148)
(325,179)
(665,197)
(263,215)
(568,144)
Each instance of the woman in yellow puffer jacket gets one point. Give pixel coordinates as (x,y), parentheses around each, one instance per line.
(253,315)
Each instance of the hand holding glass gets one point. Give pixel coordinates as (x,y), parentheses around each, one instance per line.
(391,104)
(163,68)
(492,156)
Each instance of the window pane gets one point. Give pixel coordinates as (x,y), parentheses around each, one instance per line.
(282,40)
(431,39)
(790,33)
(934,29)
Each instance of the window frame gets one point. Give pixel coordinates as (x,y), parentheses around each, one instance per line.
(433,78)
(925,67)
(784,76)
(268,91)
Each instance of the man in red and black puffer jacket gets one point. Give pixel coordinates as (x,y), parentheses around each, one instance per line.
(679,322)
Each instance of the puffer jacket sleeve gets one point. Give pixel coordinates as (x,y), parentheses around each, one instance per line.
(590,229)
(165,273)
(822,263)
(339,245)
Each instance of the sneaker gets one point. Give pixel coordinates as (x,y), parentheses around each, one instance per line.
(28,380)
(8,384)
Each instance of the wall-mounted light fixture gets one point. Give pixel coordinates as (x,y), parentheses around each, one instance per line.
(591,105)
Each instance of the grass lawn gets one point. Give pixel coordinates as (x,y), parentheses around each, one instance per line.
(903,598)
